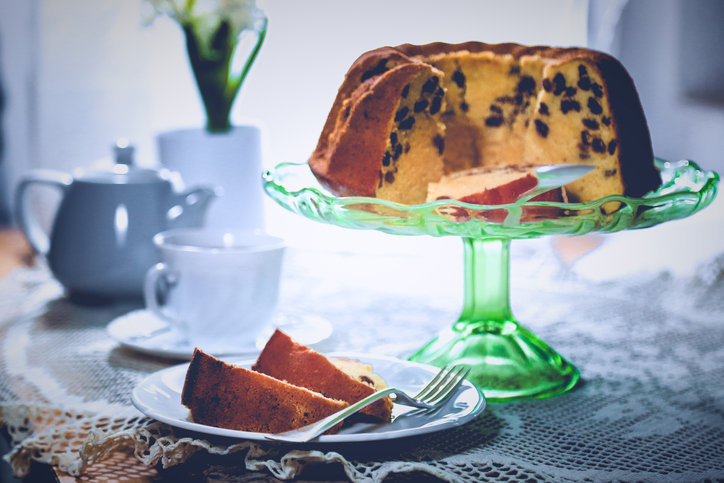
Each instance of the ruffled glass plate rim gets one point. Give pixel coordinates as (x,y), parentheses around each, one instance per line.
(685,190)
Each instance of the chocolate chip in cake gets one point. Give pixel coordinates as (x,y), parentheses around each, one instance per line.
(606,120)
(398,152)
(405,91)
(585,138)
(582,71)
(439,142)
(496,109)
(431,84)
(514,70)
(380,68)
(571,91)
(494,121)
(406,124)
(435,105)
(420,105)
(543,109)
(459,78)
(526,85)
(464,106)
(541,127)
(560,81)
(610,172)
(547,85)
(401,114)
(570,105)
(612,146)
(598,145)
(590,124)
(393,138)
(389,177)
(584,83)
(594,106)
(407,147)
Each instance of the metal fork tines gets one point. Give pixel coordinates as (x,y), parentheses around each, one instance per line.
(430,397)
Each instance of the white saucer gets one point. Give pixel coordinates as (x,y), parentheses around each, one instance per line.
(144,332)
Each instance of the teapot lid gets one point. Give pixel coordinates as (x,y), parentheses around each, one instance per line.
(125,170)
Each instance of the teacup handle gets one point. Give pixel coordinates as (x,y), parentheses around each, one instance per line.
(150,287)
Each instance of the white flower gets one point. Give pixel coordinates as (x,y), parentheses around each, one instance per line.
(205,15)
(223,37)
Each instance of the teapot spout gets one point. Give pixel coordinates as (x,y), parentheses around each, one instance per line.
(191,207)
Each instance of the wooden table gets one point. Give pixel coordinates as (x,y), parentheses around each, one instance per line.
(15,251)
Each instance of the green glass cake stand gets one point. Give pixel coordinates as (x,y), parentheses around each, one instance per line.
(507,361)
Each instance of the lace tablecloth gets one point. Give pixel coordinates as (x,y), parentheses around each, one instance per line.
(650,349)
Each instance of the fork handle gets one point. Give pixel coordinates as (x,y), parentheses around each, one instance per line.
(311,431)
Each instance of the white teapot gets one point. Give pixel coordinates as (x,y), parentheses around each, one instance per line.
(101,241)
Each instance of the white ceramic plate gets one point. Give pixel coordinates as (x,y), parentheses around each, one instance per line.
(159,397)
(142,331)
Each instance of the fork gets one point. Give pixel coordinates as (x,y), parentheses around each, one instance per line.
(432,396)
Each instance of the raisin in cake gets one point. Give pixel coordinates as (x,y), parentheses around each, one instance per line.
(344,380)
(494,105)
(227,396)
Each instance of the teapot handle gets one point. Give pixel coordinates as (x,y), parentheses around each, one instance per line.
(36,235)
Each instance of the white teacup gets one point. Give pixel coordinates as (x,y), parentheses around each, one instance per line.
(220,288)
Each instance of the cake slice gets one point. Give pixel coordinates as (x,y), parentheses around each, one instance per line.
(384,138)
(344,380)
(227,396)
(495,186)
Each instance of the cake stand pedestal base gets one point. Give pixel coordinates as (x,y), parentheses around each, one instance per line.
(507,361)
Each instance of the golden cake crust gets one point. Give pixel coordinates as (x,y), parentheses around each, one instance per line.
(349,155)
(287,360)
(227,396)
(617,126)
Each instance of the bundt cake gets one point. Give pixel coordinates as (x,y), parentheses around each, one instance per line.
(343,380)
(406,116)
(227,396)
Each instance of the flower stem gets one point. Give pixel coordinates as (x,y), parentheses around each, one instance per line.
(217,87)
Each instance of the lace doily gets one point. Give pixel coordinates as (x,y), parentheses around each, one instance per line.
(650,351)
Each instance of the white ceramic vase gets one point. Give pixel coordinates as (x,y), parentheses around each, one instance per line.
(230,160)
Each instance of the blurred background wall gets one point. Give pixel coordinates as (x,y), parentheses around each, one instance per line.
(79,74)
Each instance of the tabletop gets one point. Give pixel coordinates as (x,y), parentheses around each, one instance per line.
(649,345)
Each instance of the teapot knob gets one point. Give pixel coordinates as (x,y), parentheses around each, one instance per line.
(124,152)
